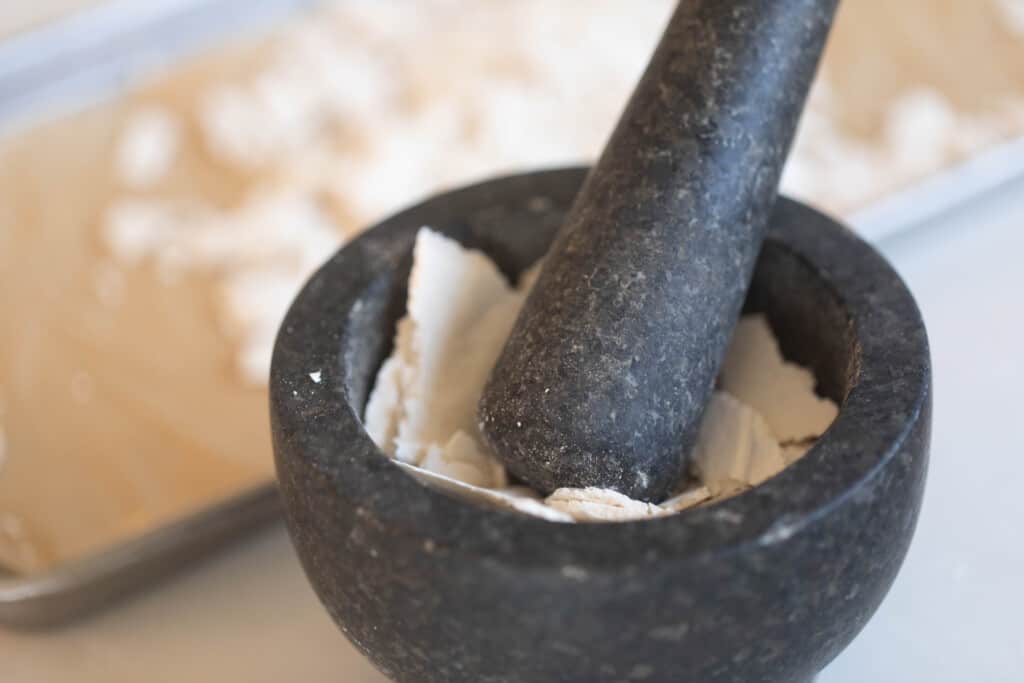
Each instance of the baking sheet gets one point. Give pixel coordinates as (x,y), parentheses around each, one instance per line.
(200,409)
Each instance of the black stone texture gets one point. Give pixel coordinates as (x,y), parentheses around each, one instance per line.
(767,586)
(605,377)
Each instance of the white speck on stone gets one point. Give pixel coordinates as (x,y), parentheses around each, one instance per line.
(671,633)
(780,531)
(571,571)
(148,147)
(641,672)
(728,516)
(317,376)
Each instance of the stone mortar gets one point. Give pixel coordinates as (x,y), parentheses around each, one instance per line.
(767,586)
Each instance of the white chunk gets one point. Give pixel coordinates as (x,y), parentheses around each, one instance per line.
(1013,13)
(510,500)
(735,448)
(383,406)
(686,499)
(601,505)
(464,460)
(148,148)
(462,310)
(422,408)
(18,553)
(919,128)
(755,372)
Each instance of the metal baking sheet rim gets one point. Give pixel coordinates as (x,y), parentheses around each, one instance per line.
(106,46)
(84,585)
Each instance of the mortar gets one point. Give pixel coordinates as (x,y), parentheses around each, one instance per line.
(769,585)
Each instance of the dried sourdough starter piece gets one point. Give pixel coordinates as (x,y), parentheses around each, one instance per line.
(735,448)
(463,459)
(515,498)
(755,372)
(422,410)
(601,505)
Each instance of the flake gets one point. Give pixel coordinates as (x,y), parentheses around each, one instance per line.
(601,505)
(148,147)
(755,373)
(735,448)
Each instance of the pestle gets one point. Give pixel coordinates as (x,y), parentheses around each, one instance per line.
(606,373)
(605,376)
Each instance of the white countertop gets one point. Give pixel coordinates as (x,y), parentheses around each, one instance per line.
(952,617)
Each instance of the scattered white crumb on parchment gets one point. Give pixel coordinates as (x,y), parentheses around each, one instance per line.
(422,409)
(148,147)
(464,459)
(373,105)
(17,551)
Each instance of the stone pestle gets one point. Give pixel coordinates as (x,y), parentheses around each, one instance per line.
(606,374)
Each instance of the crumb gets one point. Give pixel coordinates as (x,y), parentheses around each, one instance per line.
(601,505)
(498,498)
(735,448)
(148,147)
(687,499)
(755,373)
(421,411)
